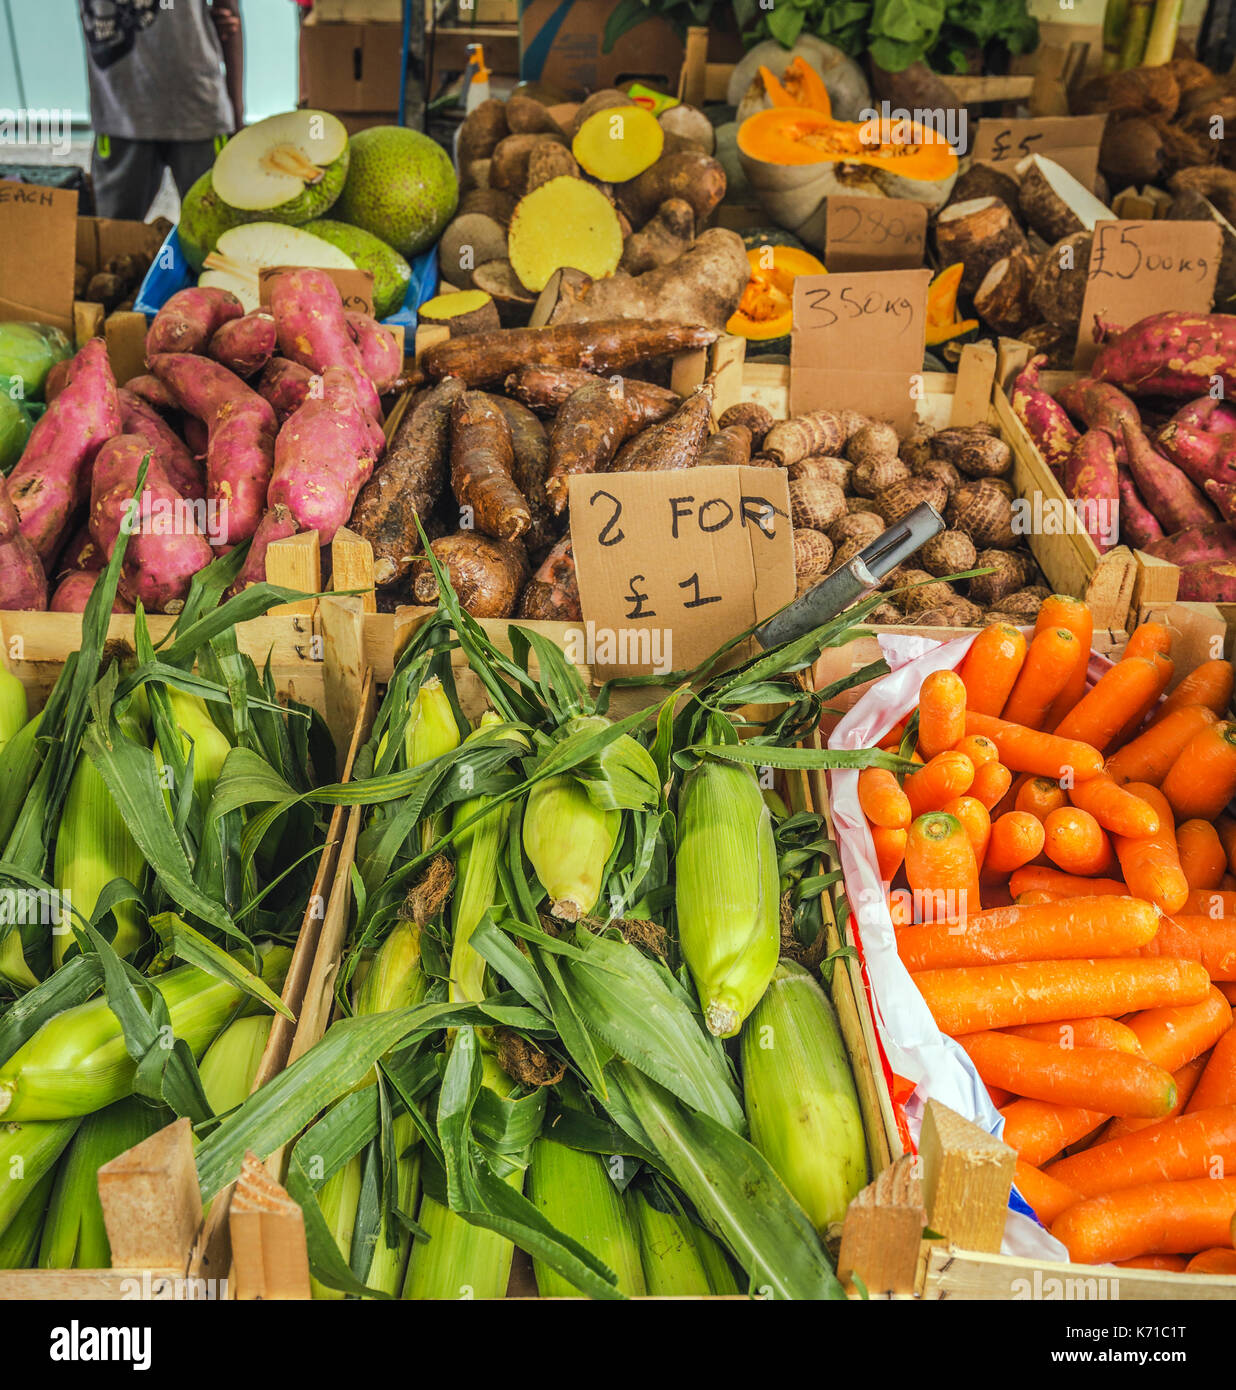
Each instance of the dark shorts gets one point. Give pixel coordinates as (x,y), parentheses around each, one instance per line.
(127,173)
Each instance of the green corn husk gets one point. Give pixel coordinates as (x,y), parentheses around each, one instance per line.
(199,732)
(337,1198)
(77,1061)
(93,846)
(394,979)
(27,1152)
(431,731)
(19,1245)
(386,1270)
(14,708)
(802,1106)
(568,840)
(727,891)
(672,1265)
(720,1272)
(230,1063)
(573,1191)
(74,1236)
(21,760)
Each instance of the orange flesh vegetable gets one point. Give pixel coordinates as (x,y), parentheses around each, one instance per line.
(797,135)
(766,307)
(800,85)
(942,320)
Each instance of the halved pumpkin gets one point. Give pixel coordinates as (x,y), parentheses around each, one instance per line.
(765,312)
(800,85)
(943,322)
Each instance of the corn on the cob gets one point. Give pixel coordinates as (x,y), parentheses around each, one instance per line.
(337,1198)
(19,1245)
(394,979)
(430,732)
(201,734)
(231,1062)
(568,840)
(22,759)
(572,1189)
(671,1263)
(726,892)
(388,1263)
(14,709)
(93,846)
(802,1106)
(716,1265)
(77,1061)
(74,1236)
(27,1152)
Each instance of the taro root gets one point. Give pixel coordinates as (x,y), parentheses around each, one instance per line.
(951,552)
(984,511)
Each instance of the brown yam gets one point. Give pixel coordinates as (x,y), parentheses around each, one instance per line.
(498,280)
(984,511)
(407,485)
(603,100)
(1214,183)
(1053,203)
(661,240)
(592,425)
(983,180)
(482,464)
(486,574)
(974,452)
(1189,206)
(951,552)
(527,116)
(508,165)
(461,312)
(689,174)
(1002,301)
(690,124)
(482,130)
(490,202)
(552,594)
(756,418)
(550,161)
(530,445)
(729,447)
(470,240)
(818,432)
(815,503)
(676,443)
(813,552)
(1059,285)
(978,233)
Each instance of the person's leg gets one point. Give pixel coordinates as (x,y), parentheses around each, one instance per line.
(126,176)
(189,159)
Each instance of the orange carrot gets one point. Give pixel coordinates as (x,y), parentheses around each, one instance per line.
(1061,610)
(1045,1194)
(893,738)
(1083,1032)
(1163,1218)
(1218,1082)
(978,749)
(900,908)
(1186,1079)
(1209,684)
(941,712)
(1081,928)
(1211,902)
(1040,796)
(1114,807)
(1049,663)
(991,666)
(1228,990)
(1075,842)
(972,999)
(882,800)
(1202,856)
(1171,1150)
(1148,638)
(1016,839)
(1039,876)
(1216,1261)
(940,779)
(999,1096)
(1093,1077)
(1202,780)
(1166,669)
(1039,1130)
(975,821)
(941,869)
(1102,711)
(1225,825)
(1170,1264)
(890,848)
(1029,750)
(1212,941)
(1149,756)
(991,781)
(1150,864)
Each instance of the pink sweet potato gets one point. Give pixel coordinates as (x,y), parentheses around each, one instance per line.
(1202,454)
(241,450)
(57,379)
(1100,406)
(277,525)
(323,457)
(74,590)
(1214,544)
(22,581)
(312,330)
(1092,477)
(1169,494)
(165,548)
(1207,581)
(379,349)
(1046,420)
(182,469)
(1138,524)
(1172,354)
(285,384)
(1223,495)
(244,345)
(189,320)
(1210,413)
(81,553)
(151,390)
(53,473)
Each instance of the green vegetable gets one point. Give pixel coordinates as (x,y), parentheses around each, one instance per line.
(28,351)
(17,417)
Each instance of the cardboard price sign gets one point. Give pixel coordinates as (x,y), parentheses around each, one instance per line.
(874,234)
(355,286)
(857,343)
(671,565)
(38,284)
(1072,141)
(1142,268)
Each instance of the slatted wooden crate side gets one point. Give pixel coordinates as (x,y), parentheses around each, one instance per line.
(954,1273)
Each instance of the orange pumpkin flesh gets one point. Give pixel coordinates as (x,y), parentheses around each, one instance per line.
(796,135)
(800,86)
(942,321)
(766,308)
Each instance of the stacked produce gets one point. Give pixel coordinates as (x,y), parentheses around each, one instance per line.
(1066,921)
(1164,468)
(115,284)
(561,919)
(138,909)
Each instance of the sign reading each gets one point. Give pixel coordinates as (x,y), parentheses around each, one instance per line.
(875,234)
(355,286)
(37,285)
(1072,141)
(1142,268)
(671,565)
(857,343)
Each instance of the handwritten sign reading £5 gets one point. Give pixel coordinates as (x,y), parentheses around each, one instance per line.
(875,234)
(1142,268)
(670,565)
(355,286)
(857,343)
(1072,141)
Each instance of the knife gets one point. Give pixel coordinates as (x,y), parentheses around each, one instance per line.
(853,580)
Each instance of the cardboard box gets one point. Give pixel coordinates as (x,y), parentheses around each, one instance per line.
(355,12)
(351,67)
(98,240)
(560,43)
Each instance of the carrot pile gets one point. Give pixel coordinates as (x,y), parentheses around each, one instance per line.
(1061,873)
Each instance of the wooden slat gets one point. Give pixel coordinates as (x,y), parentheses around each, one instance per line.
(151,1203)
(296,563)
(692,80)
(976,371)
(352,567)
(882,1234)
(269,1256)
(343,637)
(952,1273)
(967,1177)
(973,91)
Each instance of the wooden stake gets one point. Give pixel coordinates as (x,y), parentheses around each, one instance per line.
(692,83)
(883,1231)
(728,355)
(296,563)
(343,649)
(269,1256)
(352,567)
(966,1176)
(152,1205)
(976,372)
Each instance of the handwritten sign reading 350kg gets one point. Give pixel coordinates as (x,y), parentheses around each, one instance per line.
(672,564)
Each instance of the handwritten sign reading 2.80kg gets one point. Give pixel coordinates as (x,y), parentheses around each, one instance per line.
(670,565)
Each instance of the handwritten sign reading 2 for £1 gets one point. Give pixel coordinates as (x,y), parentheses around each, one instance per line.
(671,565)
